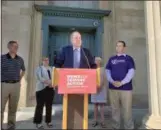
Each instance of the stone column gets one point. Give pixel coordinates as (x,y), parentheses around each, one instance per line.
(107,45)
(153,26)
(35,55)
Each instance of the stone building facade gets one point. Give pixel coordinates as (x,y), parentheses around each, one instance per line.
(135,22)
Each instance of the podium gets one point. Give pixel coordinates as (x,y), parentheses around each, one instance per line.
(75,85)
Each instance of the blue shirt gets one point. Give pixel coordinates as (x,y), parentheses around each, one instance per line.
(121,68)
(76,57)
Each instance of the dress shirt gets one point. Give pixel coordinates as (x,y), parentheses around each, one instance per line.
(76,55)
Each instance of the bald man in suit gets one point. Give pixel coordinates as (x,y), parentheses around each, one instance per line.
(75,56)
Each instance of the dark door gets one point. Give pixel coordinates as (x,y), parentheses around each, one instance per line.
(59,37)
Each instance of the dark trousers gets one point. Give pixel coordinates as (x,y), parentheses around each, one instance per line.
(44,97)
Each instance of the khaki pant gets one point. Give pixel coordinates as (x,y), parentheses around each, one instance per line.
(121,99)
(11,93)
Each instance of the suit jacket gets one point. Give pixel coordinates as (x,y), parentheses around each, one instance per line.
(42,75)
(65,58)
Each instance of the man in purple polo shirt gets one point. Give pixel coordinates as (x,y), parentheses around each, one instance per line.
(120,71)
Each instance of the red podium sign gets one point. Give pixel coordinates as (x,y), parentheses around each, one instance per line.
(77,81)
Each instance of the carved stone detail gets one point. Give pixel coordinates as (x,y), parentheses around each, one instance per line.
(71,12)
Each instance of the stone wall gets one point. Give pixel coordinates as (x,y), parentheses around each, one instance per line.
(127,22)
(75,3)
(16,23)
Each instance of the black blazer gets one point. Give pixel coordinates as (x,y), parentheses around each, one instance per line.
(65,58)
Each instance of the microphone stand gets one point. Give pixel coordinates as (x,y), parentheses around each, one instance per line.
(86,58)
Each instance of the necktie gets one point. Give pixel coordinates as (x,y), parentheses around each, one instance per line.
(76,59)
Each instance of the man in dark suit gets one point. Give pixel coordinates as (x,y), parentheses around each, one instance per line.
(75,56)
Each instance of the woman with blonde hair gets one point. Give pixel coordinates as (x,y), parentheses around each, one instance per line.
(44,94)
(100,98)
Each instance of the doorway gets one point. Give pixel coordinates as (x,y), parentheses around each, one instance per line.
(60,37)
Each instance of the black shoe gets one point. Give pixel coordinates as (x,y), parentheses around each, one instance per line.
(39,126)
(49,125)
(95,123)
(103,125)
(11,127)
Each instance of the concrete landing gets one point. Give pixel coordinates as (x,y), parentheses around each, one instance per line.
(25,117)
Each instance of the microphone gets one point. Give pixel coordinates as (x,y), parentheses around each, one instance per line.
(85,57)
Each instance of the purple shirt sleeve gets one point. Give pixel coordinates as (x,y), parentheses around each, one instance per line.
(108,74)
(128,76)
(108,65)
(131,63)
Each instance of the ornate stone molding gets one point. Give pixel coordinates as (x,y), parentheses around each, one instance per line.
(49,10)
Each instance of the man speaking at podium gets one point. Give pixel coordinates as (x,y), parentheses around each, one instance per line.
(75,56)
